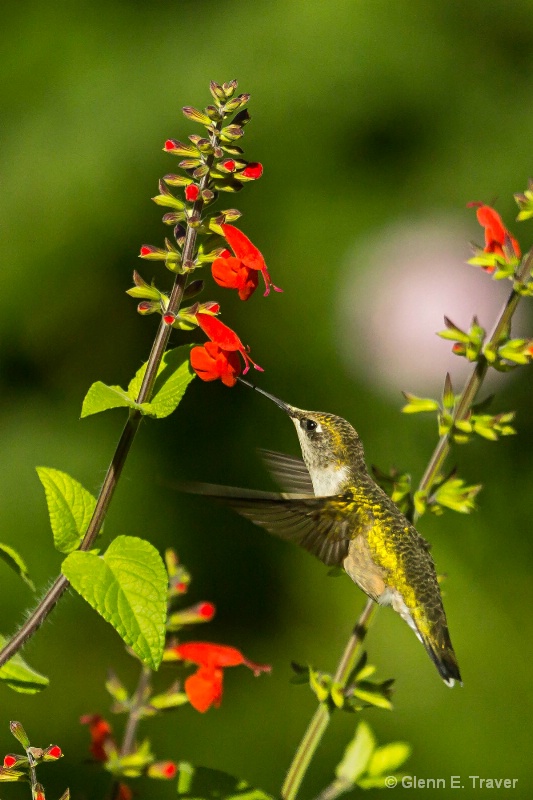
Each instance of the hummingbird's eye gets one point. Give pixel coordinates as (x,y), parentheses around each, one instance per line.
(308,424)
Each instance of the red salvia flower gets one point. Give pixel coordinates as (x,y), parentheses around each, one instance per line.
(227,341)
(101,735)
(498,240)
(211,363)
(204,687)
(241,271)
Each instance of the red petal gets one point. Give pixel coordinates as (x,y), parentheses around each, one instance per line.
(204,688)
(210,655)
(243,247)
(226,272)
(219,333)
(204,364)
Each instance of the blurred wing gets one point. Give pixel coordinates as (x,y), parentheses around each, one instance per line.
(319,524)
(290,472)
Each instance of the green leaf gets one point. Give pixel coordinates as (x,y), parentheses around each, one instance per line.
(101,397)
(128,587)
(10,556)
(200,783)
(174,375)
(388,758)
(357,755)
(21,677)
(70,507)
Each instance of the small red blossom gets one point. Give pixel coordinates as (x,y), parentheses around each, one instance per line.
(253,170)
(226,339)
(206,610)
(9,761)
(498,239)
(124,792)
(204,687)
(53,752)
(211,363)
(101,735)
(229,165)
(240,272)
(192,192)
(163,769)
(169,319)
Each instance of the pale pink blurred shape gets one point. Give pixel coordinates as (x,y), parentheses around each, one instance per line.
(393,295)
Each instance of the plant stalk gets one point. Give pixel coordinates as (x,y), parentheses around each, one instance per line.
(322,716)
(61,584)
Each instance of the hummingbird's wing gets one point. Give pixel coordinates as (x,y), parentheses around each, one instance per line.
(319,524)
(289,472)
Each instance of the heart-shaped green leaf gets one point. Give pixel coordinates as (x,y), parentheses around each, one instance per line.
(128,587)
(70,507)
(19,676)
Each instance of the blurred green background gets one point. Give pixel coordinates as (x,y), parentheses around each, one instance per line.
(371,118)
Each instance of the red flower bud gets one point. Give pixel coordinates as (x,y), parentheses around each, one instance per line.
(192,192)
(169,319)
(53,752)
(206,610)
(9,761)
(253,170)
(229,165)
(163,769)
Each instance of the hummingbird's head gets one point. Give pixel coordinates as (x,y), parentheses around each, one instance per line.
(331,448)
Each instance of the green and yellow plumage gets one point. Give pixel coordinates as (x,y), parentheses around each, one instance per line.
(335,510)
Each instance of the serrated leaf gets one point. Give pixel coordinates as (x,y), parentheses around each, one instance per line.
(388,758)
(101,397)
(128,587)
(174,375)
(10,556)
(70,507)
(202,783)
(19,676)
(357,755)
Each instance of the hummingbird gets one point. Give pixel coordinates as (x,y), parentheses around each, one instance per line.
(332,507)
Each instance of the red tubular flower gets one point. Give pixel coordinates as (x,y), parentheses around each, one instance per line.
(101,736)
(163,769)
(498,240)
(204,687)
(227,341)
(241,271)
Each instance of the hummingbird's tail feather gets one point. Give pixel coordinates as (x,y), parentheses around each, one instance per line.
(441,652)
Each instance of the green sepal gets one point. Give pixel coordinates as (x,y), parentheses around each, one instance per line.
(524,200)
(19,676)
(70,507)
(12,775)
(127,586)
(416,404)
(177,180)
(132,765)
(167,200)
(452,332)
(195,115)
(456,495)
(116,689)
(168,700)
(15,561)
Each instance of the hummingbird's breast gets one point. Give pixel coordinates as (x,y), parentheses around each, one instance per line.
(329,480)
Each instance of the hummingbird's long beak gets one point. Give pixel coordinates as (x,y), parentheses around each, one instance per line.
(287,408)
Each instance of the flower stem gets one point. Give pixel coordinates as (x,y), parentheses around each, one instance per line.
(61,584)
(322,716)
